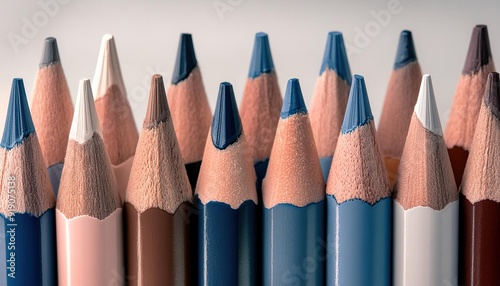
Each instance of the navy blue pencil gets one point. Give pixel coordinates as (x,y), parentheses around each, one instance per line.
(226,199)
(27,202)
(293,193)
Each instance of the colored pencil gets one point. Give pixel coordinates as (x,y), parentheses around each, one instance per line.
(400,98)
(293,193)
(426,202)
(27,224)
(260,106)
(359,203)
(330,99)
(227,199)
(52,110)
(480,198)
(156,230)
(188,103)
(88,210)
(117,122)
(467,102)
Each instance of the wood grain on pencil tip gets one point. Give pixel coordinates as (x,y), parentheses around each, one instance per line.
(119,131)
(27,223)
(227,199)
(89,209)
(480,198)
(400,98)
(425,221)
(52,110)
(330,99)
(188,102)
(467,101)
(157,232)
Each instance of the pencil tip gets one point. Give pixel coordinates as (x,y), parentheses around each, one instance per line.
(108,72)
(50,53)
(157,106)
(479,52)
(335,57)
(293,102)
(85,121)
(406,50)
(262,60)
(358,110)
(186,59)
(426,108)
(18,124)
(492,93)
(226,124)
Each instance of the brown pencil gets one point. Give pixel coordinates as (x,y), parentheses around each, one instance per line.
(480,197)
(468,96)
(52,110)
(156,227)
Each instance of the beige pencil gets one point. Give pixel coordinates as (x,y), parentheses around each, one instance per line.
(88,210)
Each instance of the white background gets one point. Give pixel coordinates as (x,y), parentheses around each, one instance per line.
(147,34)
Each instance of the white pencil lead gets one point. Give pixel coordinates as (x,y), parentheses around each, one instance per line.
(85,121)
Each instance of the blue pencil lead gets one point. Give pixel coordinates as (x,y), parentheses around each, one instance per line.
(335,57)
(226,124)
(262,60)
(293,102)
(358,111)
(186,59)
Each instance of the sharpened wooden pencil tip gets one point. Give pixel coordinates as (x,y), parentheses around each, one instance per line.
(19,123)
(50,53)
(158,110)
(426,108)
(85,121)
(479,53)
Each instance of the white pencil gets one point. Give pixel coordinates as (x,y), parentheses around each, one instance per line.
(426,202)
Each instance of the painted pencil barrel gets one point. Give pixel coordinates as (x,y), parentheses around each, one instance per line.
(326,163)
(226,244)
(90,251)
(293,251)
(425,245)
(481,224)
(157,238)
(27,245)
(359,242)
(55,172)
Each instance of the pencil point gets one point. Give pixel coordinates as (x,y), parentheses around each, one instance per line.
(426,108)
(85,121)
(406,50)
(186,59)
(335,57)
(18,124)
(157,106)
(226,125)
(108,72)
(50,53)
(358,110)
(492,93)
(262,60)
(293,102)
(479,52)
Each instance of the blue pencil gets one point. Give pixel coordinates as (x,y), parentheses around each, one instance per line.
(27,224)
(261,106)
(359,203)
(330,99)
(400,98)
(52,110)
(226,199)
(293,193)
